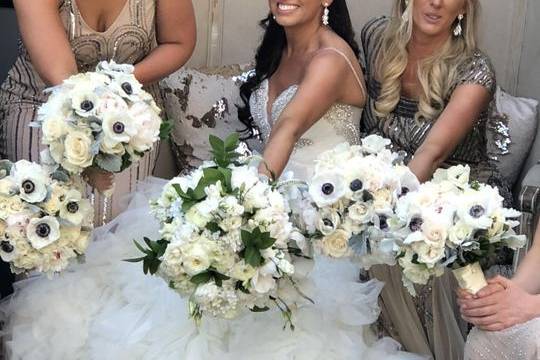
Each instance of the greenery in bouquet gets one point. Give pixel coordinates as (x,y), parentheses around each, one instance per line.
(44,218)
(102,119)
(227,240)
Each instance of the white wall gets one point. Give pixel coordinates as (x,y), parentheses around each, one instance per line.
(236,34)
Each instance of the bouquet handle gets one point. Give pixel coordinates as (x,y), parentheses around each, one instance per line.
(470,278)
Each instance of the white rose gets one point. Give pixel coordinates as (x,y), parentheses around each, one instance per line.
(428,253)
(329,220)
(111,103)
(360,213)
(256,196)
(196,259)
(231,223)
(147,124)
(459,233)
(246,176)
(336,244)
(78,150)
(8,186)
(263,282)
(53,129)
(374,144)
(383,199)
(242,271)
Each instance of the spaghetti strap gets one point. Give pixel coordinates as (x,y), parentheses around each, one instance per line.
(350,66)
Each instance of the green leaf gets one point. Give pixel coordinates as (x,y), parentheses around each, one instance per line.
(231,142)
(253,256)
(213,227)
(227,175)
(135,260)
(180,192)
(212,176)
(247,239)
(110,163)
(265,242)
(241,287)
(165,130)
(201,278)
(217,144)
(145,266)
(141,248)
(257,309)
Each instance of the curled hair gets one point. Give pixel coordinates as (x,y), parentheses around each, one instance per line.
(269,52)
(437,74)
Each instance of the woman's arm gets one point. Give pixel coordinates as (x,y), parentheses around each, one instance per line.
(45,39)
(494,307)
(176,36)
(320,88)
(457,119)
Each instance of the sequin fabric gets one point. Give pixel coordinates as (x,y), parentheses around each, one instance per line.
(342,119)
(521,342)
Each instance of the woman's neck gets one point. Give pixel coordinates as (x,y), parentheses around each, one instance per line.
(302,39)
(422,46)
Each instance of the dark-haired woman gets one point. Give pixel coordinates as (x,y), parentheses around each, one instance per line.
(310,73)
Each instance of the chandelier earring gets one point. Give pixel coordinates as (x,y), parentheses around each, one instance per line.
(326,15)
(458,30)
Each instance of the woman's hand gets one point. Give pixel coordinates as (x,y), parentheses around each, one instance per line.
(99,179)
(500,305)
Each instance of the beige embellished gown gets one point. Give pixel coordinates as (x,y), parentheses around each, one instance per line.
(129,39)
(430,323)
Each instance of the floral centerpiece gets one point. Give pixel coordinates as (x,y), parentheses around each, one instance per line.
(43,219)
(227,242)
(452,222)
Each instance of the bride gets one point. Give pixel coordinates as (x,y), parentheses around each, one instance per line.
(305,97)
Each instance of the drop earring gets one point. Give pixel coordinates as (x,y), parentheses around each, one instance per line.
(326,15)
(458,30)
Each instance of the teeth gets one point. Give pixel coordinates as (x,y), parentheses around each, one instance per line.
(286,7)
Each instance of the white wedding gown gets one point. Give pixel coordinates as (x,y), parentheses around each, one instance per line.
(108,309)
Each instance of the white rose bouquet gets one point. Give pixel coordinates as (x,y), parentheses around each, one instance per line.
(43,219)
(226,238)
(103,119)
(449,222)
(354,190)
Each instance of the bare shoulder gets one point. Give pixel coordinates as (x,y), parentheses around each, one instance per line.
(330,40)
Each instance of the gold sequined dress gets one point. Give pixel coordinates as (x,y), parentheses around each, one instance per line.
(129,39)
(429,323)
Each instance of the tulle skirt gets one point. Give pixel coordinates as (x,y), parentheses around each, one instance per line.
(106,308)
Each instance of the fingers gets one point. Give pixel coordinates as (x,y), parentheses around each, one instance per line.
(494,327)
(480,312)
(490,289)
(463,294)
(479,303)
(486,321)
(500,280)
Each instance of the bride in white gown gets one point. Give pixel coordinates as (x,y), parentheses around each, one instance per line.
(107,308)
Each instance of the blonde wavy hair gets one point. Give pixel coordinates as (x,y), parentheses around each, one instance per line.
(436,74)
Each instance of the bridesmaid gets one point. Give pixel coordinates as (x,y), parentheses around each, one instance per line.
(63,37)
(429,91)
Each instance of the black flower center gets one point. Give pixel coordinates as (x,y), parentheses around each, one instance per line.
(477,211)
(28,186)
(328,223)
(128,89)
(383,222)
(6,247)
(118,128)
(87,105)
(43,230)
(72,207)
(366,196)
(405,190)
(356,185)
(416,224)
(327,189)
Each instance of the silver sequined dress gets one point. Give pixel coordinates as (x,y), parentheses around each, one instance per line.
(429,323)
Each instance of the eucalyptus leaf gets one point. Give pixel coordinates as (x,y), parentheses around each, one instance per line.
(110,163)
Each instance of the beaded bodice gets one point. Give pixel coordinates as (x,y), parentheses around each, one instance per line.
(340,124)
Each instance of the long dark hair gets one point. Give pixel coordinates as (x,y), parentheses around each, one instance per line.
(270,50)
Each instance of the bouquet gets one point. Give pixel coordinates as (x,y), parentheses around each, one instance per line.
(226,238)
(451,222)
(43,219)
(103,119)
(353,193)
